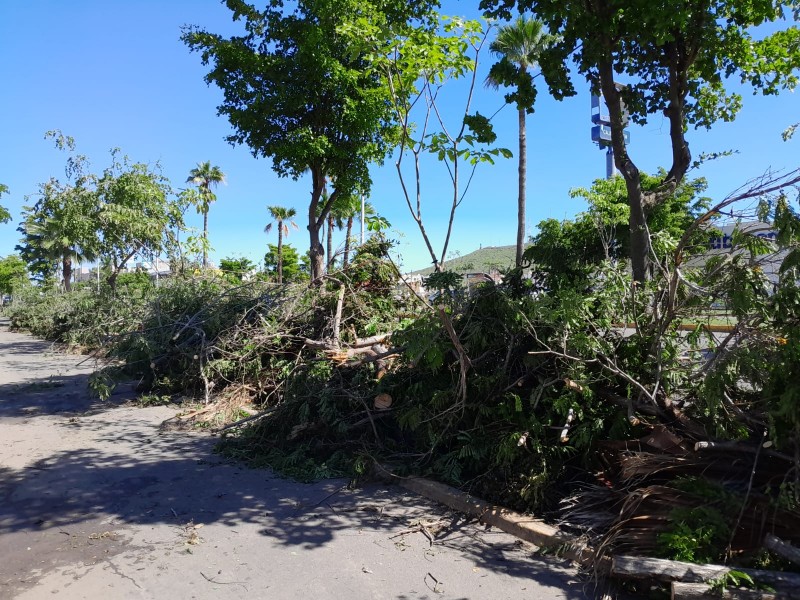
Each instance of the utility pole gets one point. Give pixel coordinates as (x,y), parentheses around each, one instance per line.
(611,168)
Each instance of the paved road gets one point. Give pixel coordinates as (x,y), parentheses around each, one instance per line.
(95,502)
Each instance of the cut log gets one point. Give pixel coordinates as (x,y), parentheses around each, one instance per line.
(782,549)
(702,591)
(635,567)
(246,420)
(524,527)
(370,341)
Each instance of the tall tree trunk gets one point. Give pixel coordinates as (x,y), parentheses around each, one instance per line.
(280,251)
(66,271)
(205,240)
(346,257)
(637,222)
(112,280)
(330,243)
(523,179)
(316,253)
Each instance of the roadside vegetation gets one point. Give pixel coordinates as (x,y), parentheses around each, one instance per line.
(589,386)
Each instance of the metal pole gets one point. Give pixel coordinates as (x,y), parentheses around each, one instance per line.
(611,168)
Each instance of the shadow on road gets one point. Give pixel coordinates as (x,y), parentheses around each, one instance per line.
(58,394)
(100,467)
(175,480)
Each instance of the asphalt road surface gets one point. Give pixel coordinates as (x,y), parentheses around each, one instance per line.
(96,502)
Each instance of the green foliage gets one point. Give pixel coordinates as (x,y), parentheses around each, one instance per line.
(136,284)
(564,253)
(60,226)
(13,274)
(716,40)
(700,526)
(732,578)
(697,535)
(297,91)
(519,46)
(293,270)
(236,269)
(113,217)
(133,213)
(82,318)
(5,216)
(204,176)
(414,62)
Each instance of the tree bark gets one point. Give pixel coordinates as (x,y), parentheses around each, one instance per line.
(782,549)
(329,252)
(346,257)
(703,591)
(523,179)
(637,222)
(658,569)
(317,216)
(205,240)
(280,251)
(66,271)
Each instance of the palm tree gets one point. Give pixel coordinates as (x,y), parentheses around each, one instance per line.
(519,46)
(348,210)
(59,227)
(204,176)
(283,218)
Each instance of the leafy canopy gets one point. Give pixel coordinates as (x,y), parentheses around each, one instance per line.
(134,212)
(296,91)
(13,273)
(668,52)
(563,253)
(292,269)
(5,216)
(519,46)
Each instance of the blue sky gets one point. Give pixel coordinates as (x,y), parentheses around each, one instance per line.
(115,74)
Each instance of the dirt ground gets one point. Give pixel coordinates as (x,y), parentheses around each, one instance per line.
(95,502)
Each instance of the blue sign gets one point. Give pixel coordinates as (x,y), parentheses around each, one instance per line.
(602,135)
(599,110)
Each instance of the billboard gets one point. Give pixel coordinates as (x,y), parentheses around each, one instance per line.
(722,244)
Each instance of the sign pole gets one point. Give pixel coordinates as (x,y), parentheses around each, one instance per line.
(611,168)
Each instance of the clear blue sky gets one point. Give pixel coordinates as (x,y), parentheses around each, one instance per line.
(115,74)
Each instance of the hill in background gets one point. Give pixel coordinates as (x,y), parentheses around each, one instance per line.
(483,261)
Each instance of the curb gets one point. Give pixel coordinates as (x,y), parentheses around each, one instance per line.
(689,327)
(524,527)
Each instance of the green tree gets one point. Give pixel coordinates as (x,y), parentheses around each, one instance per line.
(13,273)
(236,269)
(415,64)
(60,225)
(205,177)
(5,216)
(347,210)
(296,90)
(282,219)
(676,56)
(292,269)
(519,46)
(133,215)
(564,253)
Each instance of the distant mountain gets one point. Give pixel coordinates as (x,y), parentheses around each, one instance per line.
(483,261)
